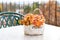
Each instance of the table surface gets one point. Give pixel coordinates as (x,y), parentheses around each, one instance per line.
(17,33)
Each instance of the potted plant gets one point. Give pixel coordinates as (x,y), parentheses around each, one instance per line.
(33,24)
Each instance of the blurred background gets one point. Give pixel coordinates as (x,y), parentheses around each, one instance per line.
(49,8)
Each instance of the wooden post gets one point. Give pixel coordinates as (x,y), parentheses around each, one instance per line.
(14,6)
(10,7)
(19,5)
(43,10)
(56,13)
(2,7)
(49,13)
(6,6)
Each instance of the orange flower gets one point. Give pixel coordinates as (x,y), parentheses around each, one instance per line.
(21,21)
(28,17)
(36,20)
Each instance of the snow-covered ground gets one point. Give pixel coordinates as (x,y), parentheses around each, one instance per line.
(17,33)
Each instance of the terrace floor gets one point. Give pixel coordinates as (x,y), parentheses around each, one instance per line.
(17,33)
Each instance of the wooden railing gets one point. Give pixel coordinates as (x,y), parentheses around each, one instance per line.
(51,11)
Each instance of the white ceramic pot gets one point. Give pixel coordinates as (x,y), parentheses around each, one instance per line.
(30,30)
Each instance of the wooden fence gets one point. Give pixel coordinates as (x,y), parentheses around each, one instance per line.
(51,11)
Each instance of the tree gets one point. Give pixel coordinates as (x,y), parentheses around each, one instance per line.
(27,9)
(35,5)
(31,8)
